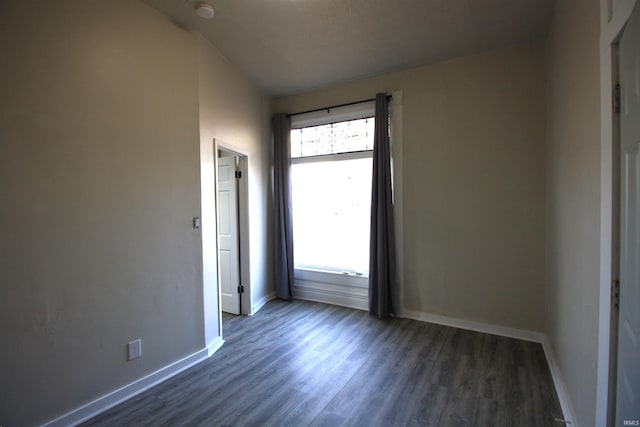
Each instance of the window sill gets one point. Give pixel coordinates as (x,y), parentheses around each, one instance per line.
(331,277)
(331,287)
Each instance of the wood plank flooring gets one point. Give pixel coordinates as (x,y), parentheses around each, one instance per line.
(309,364)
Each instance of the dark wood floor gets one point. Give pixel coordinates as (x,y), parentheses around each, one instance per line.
(301,363)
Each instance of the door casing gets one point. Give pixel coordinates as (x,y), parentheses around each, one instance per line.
(625,249)
(243,224)
(613,17)
(228,233)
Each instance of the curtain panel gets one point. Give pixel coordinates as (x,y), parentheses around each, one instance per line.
(382,256)
(283,223)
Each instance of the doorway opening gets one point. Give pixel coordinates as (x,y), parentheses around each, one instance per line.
(234,284)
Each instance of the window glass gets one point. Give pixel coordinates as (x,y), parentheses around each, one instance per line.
(331,211)
(331,195)
(342,137)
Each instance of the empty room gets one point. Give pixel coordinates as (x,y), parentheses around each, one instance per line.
(320,212)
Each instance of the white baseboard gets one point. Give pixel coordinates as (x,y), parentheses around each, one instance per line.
(214,346)
(487,328)
(109,400)
(260,303)
(332,294)
(558,381)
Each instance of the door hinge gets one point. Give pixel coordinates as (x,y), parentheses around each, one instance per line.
(240,289)
(238,174)
(615,293)
(616,98)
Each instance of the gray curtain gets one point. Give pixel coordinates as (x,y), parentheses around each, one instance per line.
(382,256)
(283,225)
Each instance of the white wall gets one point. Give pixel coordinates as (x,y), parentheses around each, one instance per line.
(473,182)
(573,199)
(99,179)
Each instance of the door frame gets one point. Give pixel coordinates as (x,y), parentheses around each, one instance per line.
(613,18)
(243,225)
(230,279)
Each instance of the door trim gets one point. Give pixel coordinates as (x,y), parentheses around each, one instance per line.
(611,28)
(243,226)
(228,214)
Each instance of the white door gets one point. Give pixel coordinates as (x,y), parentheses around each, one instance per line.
(228,235)
(628,369)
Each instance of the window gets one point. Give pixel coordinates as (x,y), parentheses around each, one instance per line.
(331,195)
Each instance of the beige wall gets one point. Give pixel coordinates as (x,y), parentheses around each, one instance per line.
(99,180)
(573,199)
(107,111)
(473,193)
(237,116)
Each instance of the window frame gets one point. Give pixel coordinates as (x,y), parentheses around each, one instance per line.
(364,110)
(351,155)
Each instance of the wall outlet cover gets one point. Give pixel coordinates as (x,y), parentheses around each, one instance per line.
(135,349)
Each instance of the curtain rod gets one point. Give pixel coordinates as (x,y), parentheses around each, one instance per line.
(336,106)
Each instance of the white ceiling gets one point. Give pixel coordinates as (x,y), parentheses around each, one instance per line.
(289,46)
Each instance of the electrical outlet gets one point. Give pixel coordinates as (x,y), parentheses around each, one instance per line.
(135,349)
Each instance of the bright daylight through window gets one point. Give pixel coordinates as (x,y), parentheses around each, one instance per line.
(331,194)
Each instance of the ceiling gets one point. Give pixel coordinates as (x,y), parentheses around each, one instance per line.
(290,46)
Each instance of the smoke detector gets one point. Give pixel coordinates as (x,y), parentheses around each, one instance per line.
(205,11)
